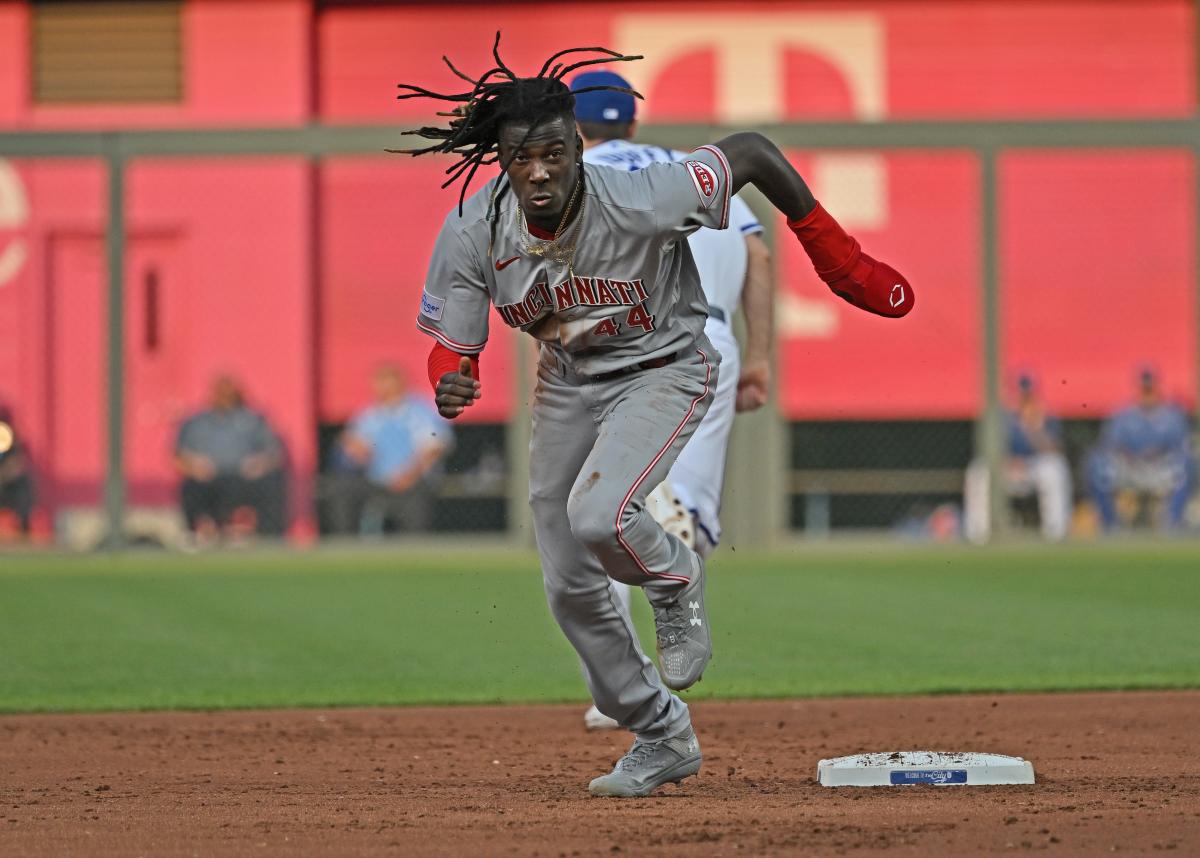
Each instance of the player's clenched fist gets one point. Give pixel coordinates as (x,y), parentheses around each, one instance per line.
(456,390)
(754,384)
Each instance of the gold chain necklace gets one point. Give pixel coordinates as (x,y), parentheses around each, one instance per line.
(551,250)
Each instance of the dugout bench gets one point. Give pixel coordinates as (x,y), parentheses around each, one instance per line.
(818,486)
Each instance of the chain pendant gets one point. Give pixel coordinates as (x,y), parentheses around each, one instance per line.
(550,250)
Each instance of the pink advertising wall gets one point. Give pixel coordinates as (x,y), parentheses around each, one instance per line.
(225,245)
(1075,225)
(300,277)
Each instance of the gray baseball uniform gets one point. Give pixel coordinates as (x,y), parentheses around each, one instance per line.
(699,473)
(606,428)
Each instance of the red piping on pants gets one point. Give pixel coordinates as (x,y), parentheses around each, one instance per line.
(641,478)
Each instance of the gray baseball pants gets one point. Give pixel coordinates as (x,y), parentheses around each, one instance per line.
(597,449)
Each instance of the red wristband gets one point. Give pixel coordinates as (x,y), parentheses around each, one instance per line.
(832,251)
(442,360)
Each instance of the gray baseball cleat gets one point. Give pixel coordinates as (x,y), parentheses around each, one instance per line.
(649,765)
(683,636)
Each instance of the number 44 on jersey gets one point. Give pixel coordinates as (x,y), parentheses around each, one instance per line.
(637,317)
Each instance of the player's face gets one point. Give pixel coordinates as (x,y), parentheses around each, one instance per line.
(543,164)
(225,393)
(1148,391)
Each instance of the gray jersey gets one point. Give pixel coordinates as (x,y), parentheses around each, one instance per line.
(634,294)
(720,256)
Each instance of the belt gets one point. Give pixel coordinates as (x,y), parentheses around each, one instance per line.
(653,363)
(718,314)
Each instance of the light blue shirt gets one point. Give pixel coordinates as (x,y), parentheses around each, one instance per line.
(1147,432)
(398,434)
(1019,442)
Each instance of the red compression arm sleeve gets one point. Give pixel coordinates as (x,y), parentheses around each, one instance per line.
(442,360)
(839,260)
(831,250)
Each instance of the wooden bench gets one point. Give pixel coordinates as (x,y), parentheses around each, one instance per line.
(819,485)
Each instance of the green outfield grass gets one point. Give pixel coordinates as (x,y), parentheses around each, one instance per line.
(150,631)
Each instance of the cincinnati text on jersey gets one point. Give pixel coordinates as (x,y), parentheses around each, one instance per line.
(543,299)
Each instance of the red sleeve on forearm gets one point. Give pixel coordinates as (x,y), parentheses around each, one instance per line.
(442,360)
(865,282)
(831,250)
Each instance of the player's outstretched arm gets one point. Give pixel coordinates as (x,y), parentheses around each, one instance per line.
(837,257)
(757,161)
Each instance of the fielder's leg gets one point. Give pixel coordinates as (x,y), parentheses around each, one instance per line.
(1183,480)
(593,718)
(1052,476)
(698,475)
(199,502)
(18,497)
(1102,484)
(976,502)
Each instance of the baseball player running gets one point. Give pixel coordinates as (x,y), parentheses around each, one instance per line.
(591,263)
(687,504)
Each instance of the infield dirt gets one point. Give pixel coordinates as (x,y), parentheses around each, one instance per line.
(1117,772)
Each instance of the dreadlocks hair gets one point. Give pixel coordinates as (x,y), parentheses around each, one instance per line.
(495,98)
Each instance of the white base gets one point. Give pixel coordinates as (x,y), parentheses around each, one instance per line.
(904,768)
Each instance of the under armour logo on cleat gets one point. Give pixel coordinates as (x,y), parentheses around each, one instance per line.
(695,606)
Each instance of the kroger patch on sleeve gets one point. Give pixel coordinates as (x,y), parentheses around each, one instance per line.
(431,306)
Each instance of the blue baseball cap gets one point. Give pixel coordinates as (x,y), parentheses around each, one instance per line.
(602,105)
